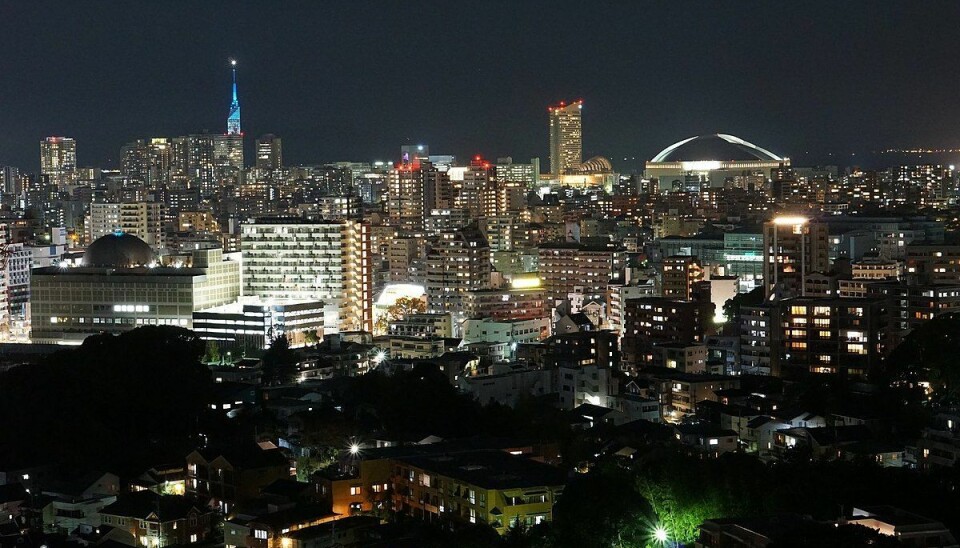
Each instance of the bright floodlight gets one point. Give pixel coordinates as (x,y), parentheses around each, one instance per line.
(354,448)
(660,534)
(788,220)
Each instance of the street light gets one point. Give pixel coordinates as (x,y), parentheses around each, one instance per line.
(660,534)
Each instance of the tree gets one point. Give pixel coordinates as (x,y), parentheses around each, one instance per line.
(929,353)
(731,308)
(279,362)
(113,401)
(402,307)
(212,354)
(602,509)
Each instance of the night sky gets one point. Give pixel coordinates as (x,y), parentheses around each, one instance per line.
(354,80)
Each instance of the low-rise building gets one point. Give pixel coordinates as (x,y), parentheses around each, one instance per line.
(121,286)
(707,439)
(423,325)
(235,475)
(160,520)
(689,358)
(491,487)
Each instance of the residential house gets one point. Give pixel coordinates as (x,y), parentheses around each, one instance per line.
(78,501)
(234,475)
(160,520)
(707,439)
(270,530)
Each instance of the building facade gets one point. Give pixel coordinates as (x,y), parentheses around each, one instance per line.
(327,261)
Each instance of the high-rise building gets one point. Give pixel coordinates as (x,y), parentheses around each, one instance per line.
(792,248)
(414,190)
(414,153)
(228,158)
(12,180)
(566,137)
(296,260)
(566,266)
(196,161)
(477,188)
(528,175)
(142,219)
(649,321)
(147,162)
(458,262)
(233,118)
(58,160)
(833,335)
(269,152)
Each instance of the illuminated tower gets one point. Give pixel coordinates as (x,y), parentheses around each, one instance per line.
(566,137)
(233,119)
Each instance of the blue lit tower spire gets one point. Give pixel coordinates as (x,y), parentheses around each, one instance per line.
(233,119)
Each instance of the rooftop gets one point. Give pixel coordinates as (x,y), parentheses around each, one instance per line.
(491,469)
(719,147)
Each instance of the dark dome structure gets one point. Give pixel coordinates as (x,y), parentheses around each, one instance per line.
(119,250)
(715,148)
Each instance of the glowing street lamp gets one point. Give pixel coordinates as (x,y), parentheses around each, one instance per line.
(660,534)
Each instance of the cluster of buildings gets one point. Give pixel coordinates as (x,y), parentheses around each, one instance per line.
(669,296)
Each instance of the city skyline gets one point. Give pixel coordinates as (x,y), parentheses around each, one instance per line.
(806,81)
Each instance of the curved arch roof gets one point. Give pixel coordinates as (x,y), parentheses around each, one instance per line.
(718,147)
(597,164)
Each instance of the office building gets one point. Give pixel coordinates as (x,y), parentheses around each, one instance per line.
(269,152)
(120,286)
(566,137)
(250,324)
(327,261)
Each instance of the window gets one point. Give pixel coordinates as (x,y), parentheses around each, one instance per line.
(354,491)
(193,537)
(260,534)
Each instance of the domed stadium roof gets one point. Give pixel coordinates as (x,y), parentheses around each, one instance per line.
(597,164)
(119,250)
(719,148)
